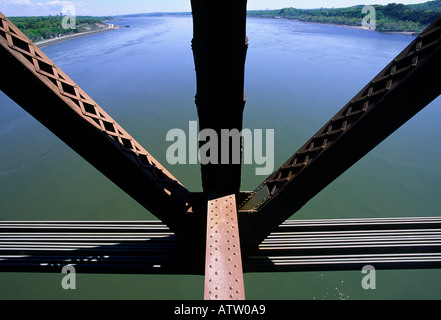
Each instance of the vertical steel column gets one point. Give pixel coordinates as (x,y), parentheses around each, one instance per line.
(223,263)
(219,47)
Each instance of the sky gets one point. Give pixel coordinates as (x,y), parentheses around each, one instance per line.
(118,7)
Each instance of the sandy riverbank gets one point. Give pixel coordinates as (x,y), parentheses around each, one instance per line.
(48,42)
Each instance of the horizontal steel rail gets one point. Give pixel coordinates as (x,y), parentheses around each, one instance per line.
(148,247)
(93,247)
(339,263)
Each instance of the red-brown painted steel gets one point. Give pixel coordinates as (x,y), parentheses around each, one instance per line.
(223,262)
(396,94)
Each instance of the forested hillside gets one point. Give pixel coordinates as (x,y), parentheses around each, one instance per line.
(391,17)
(39,28)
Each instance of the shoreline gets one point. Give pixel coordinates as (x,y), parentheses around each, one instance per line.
(409,33)
(48,42)
(110,27)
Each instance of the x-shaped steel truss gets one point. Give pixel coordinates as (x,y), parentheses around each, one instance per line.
(396,94)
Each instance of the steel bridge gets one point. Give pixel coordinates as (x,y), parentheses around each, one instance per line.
(223,231)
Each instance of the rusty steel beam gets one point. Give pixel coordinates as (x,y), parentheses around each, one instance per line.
(219,48)
(223,262)
(395,95)
(35,83)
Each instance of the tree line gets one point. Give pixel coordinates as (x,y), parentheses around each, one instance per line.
(391,17)
(40,28)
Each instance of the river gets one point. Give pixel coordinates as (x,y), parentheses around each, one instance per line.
(298,75)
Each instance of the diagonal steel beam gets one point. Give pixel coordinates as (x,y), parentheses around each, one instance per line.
(395,95)
(35,83)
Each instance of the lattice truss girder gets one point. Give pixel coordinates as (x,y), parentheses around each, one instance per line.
(348,117)
(395,95)
(163,194)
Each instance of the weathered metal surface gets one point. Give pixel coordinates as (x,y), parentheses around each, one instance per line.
(32,80)
(403,88)
(394,96)
(223,266)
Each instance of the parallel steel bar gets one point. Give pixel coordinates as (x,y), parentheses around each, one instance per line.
(338,234)
(395,95)
(348,262)
(345,240)
(34,82)
(148,247)
(342,222)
